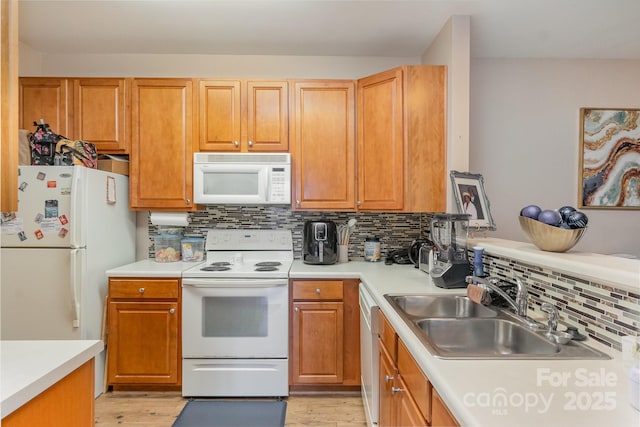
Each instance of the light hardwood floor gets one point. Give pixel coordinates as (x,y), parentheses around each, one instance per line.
(160,409)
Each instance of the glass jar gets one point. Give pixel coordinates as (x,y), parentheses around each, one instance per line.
(372,249)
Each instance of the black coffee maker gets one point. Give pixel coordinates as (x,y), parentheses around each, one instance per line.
(319,242)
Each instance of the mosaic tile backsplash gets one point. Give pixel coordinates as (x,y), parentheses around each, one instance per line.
(603,312)
(395,230)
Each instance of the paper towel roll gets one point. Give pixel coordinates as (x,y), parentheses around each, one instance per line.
(176,219)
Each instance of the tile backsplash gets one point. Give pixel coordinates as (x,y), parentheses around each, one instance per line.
(396,230)
(602,311)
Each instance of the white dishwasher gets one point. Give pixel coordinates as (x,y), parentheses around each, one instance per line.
(369,354)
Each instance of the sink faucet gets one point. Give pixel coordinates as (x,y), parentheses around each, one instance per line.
(522,295)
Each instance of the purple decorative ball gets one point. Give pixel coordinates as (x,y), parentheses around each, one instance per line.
(531,211)
(550,217)
(577,219)
(565,211)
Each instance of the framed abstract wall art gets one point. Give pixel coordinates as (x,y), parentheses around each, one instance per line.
(609,158)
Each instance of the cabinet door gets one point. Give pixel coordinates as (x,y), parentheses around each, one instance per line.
(161,175)
(48,99)
(409,414)
(100,113)
(380,142)
(387,415)
(323,147)
(441,417)
(267,116)
(317,346)
(219,111)
(143,343)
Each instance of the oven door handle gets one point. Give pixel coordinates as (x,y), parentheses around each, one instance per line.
(238,283)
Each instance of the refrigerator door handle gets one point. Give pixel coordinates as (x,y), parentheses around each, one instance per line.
(77,209)
(77,268)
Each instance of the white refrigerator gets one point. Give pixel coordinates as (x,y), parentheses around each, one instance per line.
(73,223)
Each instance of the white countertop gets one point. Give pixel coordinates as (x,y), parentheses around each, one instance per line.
(617,271)
(30,367)
(472,389)
(151,268)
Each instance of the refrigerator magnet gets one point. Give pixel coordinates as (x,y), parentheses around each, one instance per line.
(22,186)
(63,232)
(50,208)
(63,219)
(22,236)
(38,234)
(41,176)
(52,184)
(39,217)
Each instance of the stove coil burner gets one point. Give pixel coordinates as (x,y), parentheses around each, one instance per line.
(266,268)
(268,264)
(215,268)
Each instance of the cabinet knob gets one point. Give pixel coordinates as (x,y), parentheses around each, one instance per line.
(172,310)
(395,390)
(188,201)
(141,290)
(235,143)
(318,291)
(298,203)
(358,203)
(295,309)
(388,378)
(250,143)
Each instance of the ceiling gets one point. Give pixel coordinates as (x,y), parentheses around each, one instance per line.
(606,29)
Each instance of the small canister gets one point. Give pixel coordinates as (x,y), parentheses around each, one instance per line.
(372,249)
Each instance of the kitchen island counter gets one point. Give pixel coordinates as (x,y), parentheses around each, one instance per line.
(31,367)
(497,392)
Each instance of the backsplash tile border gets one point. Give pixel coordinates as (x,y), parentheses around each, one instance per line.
(602,311)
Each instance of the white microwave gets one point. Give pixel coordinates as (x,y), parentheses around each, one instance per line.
(242,178)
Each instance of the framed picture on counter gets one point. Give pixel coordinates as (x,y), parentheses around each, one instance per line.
(609,158)
(471,199)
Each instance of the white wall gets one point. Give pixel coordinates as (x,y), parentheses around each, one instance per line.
(524,140)
(452,48)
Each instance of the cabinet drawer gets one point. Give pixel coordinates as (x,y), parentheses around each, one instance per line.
(417,383)
(144,288)
(387,335)
(316,290)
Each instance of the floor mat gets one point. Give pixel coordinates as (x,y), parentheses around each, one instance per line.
(232,413)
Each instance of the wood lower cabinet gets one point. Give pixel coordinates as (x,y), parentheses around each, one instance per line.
(243,115)
(323,148)
(163,129)
(407,398)
(325,326)
(401,129)
(143,344)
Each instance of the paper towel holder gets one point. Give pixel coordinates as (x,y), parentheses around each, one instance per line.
(174,219)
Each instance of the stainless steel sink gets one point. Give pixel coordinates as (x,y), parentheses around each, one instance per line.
(439,306)
(454,327)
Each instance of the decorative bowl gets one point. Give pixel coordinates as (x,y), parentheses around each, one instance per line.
(550,238)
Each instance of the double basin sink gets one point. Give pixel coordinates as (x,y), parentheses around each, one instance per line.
(454,327)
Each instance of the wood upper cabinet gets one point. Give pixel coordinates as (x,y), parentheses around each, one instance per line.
(49,99)
(163,129)
(324,343)
(401,140)
(9,116)
(101,114)
(323,148)
(143,342)
(243,115)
